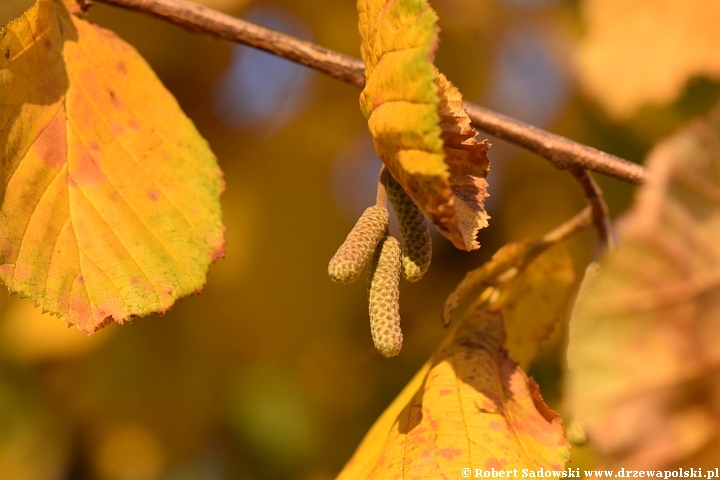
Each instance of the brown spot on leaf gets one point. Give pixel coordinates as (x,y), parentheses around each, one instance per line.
(114,100)
(121,68)
(51,145)
(86,172)
(449,453)
(218,246)
(153,195)
(117,129)
(21,272)
(493,463)
(218,252)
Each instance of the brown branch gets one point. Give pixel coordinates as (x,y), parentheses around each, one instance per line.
(594,195)
(560,151)
(199,19)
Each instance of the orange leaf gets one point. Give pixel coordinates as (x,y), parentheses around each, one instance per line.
(110,197)
(469,407)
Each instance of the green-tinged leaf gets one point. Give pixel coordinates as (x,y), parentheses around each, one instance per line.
(420,129)
(470,407)
(644,350)
(110,197)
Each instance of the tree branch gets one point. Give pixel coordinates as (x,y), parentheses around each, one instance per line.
(199,19)
(560,151)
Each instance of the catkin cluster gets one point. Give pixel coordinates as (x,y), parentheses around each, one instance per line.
(384,297)
(417,244)
(355,252)
(369,242)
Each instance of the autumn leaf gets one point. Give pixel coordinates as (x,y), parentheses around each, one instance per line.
(645,51)
(419,127)
(469,407)
(530,283)
(644,351)
(110,197)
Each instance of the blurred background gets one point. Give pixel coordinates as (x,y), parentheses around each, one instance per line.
(271,372)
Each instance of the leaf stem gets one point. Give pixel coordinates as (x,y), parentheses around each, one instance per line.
(569,227)
(381,199)
(560,151)
(594,195)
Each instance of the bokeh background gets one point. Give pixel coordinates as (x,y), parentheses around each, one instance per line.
(270,373)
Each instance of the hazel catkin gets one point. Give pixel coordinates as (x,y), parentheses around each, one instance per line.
(357,249)
(417,244)
(384,297)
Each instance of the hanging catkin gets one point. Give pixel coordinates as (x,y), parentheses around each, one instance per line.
(384,297)
(417,244)
(358,247)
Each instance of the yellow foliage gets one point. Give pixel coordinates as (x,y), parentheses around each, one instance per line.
(644,51)
(110,196)
(530,283)
(469,407)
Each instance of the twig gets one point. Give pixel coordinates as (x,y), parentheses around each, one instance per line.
(594,195)
(569,228)
(560,151)
(199,19)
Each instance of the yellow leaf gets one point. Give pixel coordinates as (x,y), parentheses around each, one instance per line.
(469,407)
(534,301)
(419,127)
(110,197)
(530,284)
(644,51)
(644,351)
